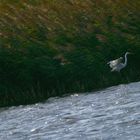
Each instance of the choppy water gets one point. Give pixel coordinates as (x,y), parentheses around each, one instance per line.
(110,114)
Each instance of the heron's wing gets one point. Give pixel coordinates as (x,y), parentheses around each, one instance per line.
(114,63)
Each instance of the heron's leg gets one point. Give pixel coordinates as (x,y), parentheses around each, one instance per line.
(120,75)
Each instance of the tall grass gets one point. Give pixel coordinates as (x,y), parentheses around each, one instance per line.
(50,47)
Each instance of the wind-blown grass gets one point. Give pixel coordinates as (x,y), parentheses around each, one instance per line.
(51,47)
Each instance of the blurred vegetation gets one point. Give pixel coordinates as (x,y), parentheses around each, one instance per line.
(53,47)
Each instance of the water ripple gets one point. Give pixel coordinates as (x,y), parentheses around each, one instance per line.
(111,114)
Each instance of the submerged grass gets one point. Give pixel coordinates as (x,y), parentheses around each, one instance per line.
(50,47)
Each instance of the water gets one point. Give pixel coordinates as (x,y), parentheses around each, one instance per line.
(110,114)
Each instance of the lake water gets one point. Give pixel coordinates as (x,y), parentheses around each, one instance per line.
(110,114)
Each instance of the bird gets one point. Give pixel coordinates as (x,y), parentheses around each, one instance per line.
(117,64)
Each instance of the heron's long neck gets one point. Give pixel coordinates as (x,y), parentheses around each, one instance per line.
(125,62)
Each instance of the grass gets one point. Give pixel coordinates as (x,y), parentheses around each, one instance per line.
(38,37)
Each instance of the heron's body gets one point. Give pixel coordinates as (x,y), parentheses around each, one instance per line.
(117,64)
(118,67)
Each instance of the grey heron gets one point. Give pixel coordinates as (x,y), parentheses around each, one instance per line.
(117,64)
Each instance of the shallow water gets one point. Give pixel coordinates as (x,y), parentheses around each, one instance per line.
(110,114)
